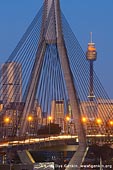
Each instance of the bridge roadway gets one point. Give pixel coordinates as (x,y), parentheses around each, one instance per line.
(23,146)
(37,142)
(49,141)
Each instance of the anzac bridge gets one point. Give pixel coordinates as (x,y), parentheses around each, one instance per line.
(49,80)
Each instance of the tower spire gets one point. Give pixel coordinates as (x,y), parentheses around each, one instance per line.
(91,37)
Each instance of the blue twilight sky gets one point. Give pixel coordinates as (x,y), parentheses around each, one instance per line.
(83,16)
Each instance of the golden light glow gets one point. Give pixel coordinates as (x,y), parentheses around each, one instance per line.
(30,118)
(6,120)
(50,118)
(111,122)
(84,119)
(98,121)
(91,48)
(67,118)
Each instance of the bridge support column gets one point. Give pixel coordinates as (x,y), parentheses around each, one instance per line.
(77,159)
(71,90)
(25,157)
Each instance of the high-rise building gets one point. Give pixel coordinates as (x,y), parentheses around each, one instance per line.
(38,113)
(11,79)
(57,112)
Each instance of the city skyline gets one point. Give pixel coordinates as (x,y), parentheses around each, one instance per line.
(95,16)
(51,98)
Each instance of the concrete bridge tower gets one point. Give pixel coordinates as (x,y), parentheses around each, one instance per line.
(51,33)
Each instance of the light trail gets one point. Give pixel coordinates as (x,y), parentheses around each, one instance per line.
(46,139)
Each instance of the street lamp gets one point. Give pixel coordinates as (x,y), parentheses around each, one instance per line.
(67,122)
(111,126)
(6,122)
(30,119)
(50,119)
(84,121)
(99,121)
(67,118)
(111,122)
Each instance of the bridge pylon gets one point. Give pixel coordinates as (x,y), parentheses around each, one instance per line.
(51,33)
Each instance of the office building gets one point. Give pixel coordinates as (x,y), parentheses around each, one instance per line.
(11,80)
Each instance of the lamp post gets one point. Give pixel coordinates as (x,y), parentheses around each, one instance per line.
(67,123)
(111,126)
(99,123)
(6,122)
(49,118)
(30,119)
(84,121)
(111,122)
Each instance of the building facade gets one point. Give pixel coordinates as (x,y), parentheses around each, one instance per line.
(11,78)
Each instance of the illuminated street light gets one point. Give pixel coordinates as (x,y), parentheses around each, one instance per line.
(49,118)
(98,121)
(6,120)
(30,118)
(100,130)
(67,118)
(84,119)
(111,122)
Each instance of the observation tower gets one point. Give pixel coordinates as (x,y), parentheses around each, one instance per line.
(91,56)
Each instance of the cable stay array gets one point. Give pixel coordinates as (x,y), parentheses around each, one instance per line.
(51,95)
